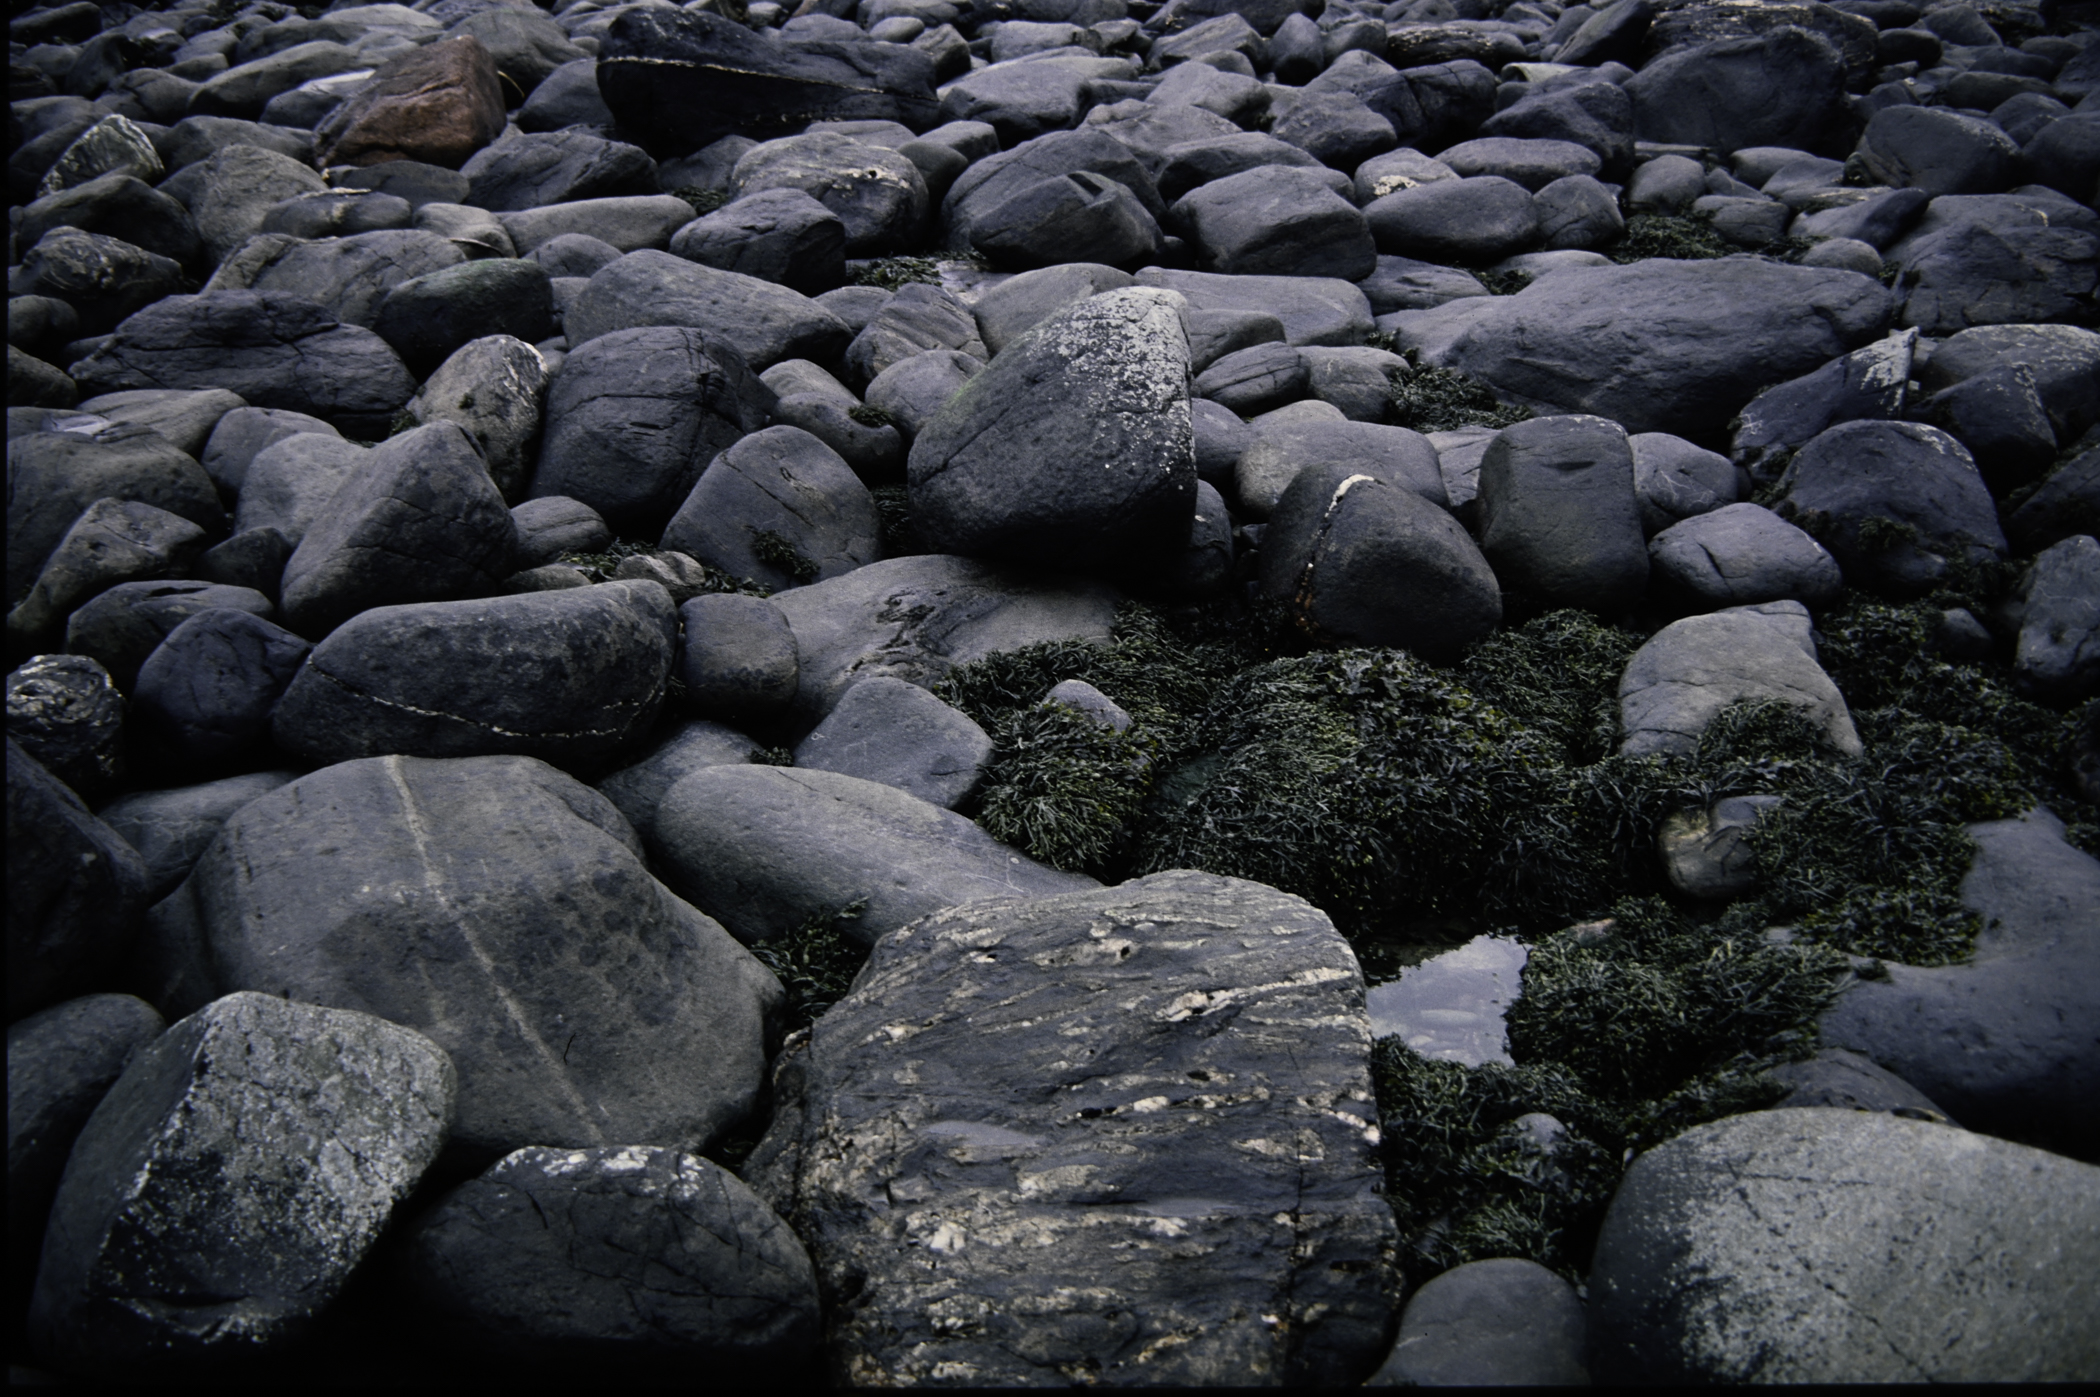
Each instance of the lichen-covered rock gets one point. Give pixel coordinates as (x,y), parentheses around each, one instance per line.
(1122,1136)
(1812,1245)
(223,1190)
(1074,448)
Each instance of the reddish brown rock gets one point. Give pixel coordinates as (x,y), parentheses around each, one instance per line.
(438,105)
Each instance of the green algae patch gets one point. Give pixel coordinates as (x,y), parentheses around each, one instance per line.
(1430,399)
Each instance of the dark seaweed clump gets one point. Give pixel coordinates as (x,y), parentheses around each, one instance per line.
(1400,797)
(1430,399)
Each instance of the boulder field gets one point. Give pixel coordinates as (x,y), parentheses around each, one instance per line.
(1053,692)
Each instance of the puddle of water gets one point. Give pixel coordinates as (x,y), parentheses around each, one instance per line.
(1451,1007)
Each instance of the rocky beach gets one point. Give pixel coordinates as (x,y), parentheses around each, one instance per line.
(985,693)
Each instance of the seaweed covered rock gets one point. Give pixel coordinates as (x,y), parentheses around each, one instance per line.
(1691,669)
(1999,1041)
(1167,1222)
(1074,448)
(1832,1246)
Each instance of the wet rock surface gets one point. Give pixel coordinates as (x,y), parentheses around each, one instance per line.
(1597,500)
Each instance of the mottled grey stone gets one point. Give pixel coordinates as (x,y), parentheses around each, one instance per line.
(898,734)
(223,1190)
(1690,670)
(1823,1246)
(1740,554)
(1187,1193)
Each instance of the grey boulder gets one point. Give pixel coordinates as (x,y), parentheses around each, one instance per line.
(898,734)
(1811,1245)
(1504,1322)
(1690,670)
(1176,1033)
(1559,520)
(766,848)
(1740,554)
(780,507)
(766,323)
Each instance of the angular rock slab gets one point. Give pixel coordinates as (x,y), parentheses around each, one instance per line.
(221,1193)
(1121,1136)
(1665,346)
(1074,448)
(502,908)
(766,848)
(1813,1245)
(1692,669)
(627,1250)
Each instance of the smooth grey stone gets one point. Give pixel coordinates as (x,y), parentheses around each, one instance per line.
(1559,521)
(1578,213)
(1878,221)
(1187,165)
(766,848)
(493,388)
(1314,310)
(1706,853)
(918,617)
(1026,98)
(781,235)
(1015,305)
(1666,184)
(243,433)
(244,1162)
(412,180)
(913,389)
(1774,89)
(574,255)
(1279,449)
(1214,334)
(635,416)
(334,213)
(1996,259)
(121,207)
(1356,379)
(419,521)
(1363,559)
(898,734)
(1221,438)
(780,507)
(1179,949)
(1663,345)
(819,404)
(1533,164)
(1892,471)
(1278,219)
(502,908)
(171,828)
(532,171)
(1253,380)
(1085,698)
(878,195)
(1396,170)
(120,628)
(2064,359)
(573,676)
(1999,415)
(1338,129)
(75,890)
(53,477)
(2067,502)
(186,418)
(274,349)
(1690,670)
(1831,1246)
(1505,1322)
(2058,654)
(60,1062)
(1741,554)
(349,276)
(630,222)
(766,323)
(1401,283)
(112,541)
(1079,195)
(1073,448)
(567,1253)
(553,525)
(428,317)
(917,319)
(1585,108)
(1846,1081)
(1938,151)
(1676,480)
(1476,219)
(237,187)
(854,306)
(738,657)
(636,790)
(1869,383)
(288,484)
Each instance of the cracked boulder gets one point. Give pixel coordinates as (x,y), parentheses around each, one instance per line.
(780,507)
(1122,1136)
(573,677)
(503,909)
(223,1190)
(1692,669)
(630,1251)
(1813,1245)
